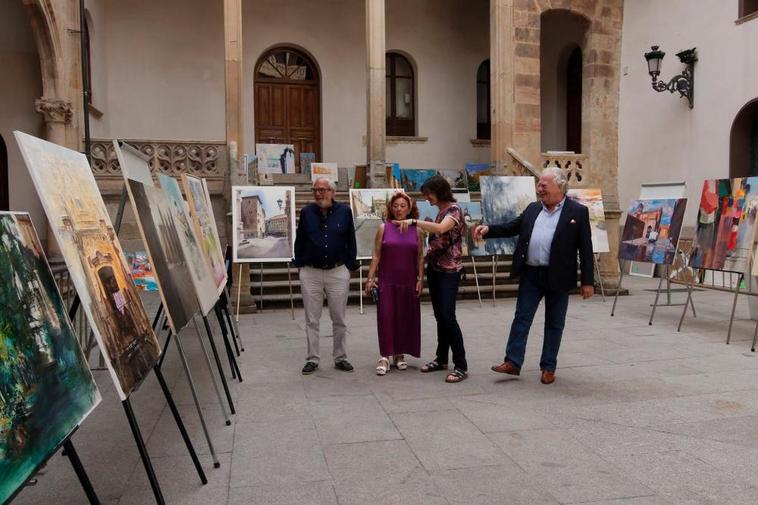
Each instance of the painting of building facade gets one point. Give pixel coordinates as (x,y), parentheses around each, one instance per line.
(503,199)
(275,158)
(205,228)
(200,273)
(593,200)
(411,179)
(369,207)
(46,388)
(94,258)
(651,231)
(263,223)
(725,224)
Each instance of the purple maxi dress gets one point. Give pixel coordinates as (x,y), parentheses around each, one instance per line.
(398,310)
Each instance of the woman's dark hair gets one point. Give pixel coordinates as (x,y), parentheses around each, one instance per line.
(439,187)
(413,214)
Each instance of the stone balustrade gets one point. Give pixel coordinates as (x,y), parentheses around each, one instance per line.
(575,166)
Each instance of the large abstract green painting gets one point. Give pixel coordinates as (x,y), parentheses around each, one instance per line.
(46,388)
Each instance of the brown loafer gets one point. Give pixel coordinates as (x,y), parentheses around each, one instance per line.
(506,367)
(548,377)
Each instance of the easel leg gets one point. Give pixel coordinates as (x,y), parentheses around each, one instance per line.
(230,354)
(239,293)
(73,457)
(755,336)
(144,456)
(599,277)
(657,295)
(178,418)
(292,299)
(213,375)
(476,280)
(218,365)
(360,283)
(219,308)
(734,306)
(689,300)
(494,274)
(232,321)
(622,264)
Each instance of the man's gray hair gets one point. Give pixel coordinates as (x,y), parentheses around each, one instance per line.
(559,176)
(331,183)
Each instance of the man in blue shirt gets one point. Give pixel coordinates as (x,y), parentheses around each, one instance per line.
(551,232)
(325,252)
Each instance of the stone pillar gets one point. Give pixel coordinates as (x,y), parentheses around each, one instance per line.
(376,96)
(501,81)
(235,133)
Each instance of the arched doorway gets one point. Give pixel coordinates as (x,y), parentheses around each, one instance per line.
(288,101)
(4,182)
(574,101)
(743,142)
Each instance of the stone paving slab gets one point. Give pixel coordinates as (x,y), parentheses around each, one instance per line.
(639,415)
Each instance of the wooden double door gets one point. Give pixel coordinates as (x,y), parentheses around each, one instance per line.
(288,102)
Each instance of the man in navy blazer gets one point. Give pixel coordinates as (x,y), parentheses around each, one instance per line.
(550,232)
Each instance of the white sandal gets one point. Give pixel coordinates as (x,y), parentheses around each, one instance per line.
(383,366)
(400,362)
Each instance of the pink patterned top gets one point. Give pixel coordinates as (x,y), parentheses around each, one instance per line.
(445,250)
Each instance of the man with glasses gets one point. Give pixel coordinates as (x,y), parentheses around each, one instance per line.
(325,253)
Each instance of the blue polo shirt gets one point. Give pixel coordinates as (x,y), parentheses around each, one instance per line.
(325,240)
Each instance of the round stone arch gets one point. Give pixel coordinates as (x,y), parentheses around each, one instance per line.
(43,21)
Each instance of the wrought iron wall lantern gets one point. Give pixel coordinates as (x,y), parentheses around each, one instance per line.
(684,83)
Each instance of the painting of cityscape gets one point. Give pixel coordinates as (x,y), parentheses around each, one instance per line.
(275,158)
(472,216)
(725,224)
(369,207)
(328,170)
(411,179)
(456,178)
(503,199)
(473,172)
(306,160)
(651,231)
(205,228)
(263,223)
(593,200)
(200,272)
(46,388)
(95,260)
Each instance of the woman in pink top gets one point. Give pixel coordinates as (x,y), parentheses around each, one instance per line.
(399,257)
(443,273)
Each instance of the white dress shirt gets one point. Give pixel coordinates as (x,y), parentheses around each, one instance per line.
(538,252)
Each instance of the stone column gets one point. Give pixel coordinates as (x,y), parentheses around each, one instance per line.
(235,133)
(376,74)
(501,81)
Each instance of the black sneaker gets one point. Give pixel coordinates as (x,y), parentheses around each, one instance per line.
(309,367)
(343,365)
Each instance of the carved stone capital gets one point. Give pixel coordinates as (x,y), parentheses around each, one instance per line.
(54,111)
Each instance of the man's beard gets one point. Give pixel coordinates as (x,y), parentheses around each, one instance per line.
(324,204)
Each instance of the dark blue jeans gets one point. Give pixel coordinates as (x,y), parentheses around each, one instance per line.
(533,286)
(443,288)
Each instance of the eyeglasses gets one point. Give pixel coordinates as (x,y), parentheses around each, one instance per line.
(321,190)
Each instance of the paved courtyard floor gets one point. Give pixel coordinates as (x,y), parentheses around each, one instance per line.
(639,415)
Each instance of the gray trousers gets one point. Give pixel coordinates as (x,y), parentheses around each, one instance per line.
(334,284)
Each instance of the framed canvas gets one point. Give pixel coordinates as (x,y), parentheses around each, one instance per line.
(474,171)
(306,159)
(503,199)
(95,260)
(369,207)
(651,231)
(640,269)
(205,228)
(726,222)
(46,386)
(456,178)
(200,276)
(328,170)
(275,158)
(263,224)
(411,179)
(593,200)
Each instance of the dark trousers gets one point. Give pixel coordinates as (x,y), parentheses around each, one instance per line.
(533,286)
(443,288)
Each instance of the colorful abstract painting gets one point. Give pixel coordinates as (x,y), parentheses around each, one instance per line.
(593,200)
(474,171)
(411,179)
(200,272)
(46,388)
(503,199)
(725,224)
(369,207)
(275,158)
(141,270)
(263,224)
(205,228)
(651,231)
(95,260)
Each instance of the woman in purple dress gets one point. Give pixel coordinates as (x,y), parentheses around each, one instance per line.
(399,258)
